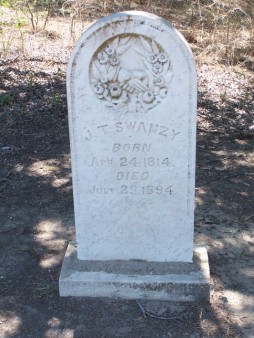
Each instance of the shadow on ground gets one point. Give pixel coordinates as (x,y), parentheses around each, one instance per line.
(36,217)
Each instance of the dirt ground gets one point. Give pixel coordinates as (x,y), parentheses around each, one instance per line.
(37,219)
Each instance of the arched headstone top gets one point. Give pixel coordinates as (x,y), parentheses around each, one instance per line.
(132,60)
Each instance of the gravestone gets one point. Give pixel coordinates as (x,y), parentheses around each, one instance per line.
(132,113)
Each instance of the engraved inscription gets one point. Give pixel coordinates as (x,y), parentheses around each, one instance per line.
(132,175)
(95,162)
(131,127)
(146,190)
(136,147)
(101,190)
(132,169)
(134,162)
(146,162)
(157,162)
(133,190)
(127,86)
(142,127)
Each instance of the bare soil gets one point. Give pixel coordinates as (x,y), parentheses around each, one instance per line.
(37,218)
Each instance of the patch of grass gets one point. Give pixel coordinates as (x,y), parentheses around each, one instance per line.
(31,79)
(56,99)
(43,289)
(5,99)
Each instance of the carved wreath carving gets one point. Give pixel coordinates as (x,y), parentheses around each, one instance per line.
(130,74)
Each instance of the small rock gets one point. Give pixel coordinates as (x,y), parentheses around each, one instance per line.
(6,149)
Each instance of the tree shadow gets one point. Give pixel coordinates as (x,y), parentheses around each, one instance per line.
(224,190)
(37,219)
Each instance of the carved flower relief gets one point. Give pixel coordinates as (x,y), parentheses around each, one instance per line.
(128,89)
(110,51)
(157,68)
(160,92)
(114,94)
(158,58)
(108,56)
(102,58)
(147,100)
(118,94)
(101,90)
(157,61)
(163,92)
(115,90)
(159,81)
(114,61)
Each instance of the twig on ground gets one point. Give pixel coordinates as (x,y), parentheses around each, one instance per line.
(146,313)
(249,217)
(213,131)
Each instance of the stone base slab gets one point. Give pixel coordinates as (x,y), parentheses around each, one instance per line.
(175,282)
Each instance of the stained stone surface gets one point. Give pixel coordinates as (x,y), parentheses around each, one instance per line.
(146,281)
(132,111)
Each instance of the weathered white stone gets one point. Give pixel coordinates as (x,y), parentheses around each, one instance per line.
(171,282)
(132,110)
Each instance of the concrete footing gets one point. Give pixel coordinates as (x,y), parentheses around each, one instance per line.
(155,281)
